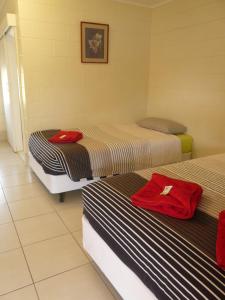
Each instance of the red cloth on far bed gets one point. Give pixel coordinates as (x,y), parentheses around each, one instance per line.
(64,137)
(220,243)
(172,197)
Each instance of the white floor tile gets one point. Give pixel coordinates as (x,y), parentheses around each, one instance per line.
(27,293)
(17,168)
(53,256)
(8,237)
(82,283)
(40,228)
(16,179)
(29,208)
(25,191)
(72,218)
(11,162)
(14,273)
(10,155)
(5,216)
(8,160)
(2,196)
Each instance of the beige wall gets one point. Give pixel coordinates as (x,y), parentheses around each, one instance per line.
(2,122)
(62,92)
(187,69)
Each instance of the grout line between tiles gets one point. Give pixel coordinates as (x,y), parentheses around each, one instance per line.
(8,222)
(16,173)
(22,247)
(9,250)
(85,253)
(17,290)
(22,250)
(44,240)
(70,232)
(31,197)
(15,185)
(57,212)
(82,249)
(43,214)
(33,180)
(74,268)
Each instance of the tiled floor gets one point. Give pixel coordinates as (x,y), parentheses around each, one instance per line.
(41,254)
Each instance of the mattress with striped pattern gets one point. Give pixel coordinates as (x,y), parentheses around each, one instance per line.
(174,258)
(105,150)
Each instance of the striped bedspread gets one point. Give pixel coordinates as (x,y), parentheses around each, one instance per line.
(174,258)
(105,150)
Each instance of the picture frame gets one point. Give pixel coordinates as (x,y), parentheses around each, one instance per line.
(94,42)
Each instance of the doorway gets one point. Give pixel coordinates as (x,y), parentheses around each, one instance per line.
(10,88)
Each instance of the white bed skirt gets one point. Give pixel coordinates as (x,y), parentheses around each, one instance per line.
(125,281)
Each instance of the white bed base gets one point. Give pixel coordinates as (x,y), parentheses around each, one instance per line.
(62,183)
(125,281)
(56,184)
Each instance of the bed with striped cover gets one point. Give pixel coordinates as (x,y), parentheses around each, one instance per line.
(105,150)
(174,258)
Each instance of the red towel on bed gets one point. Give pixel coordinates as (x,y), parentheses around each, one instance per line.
(220,243)
(172,197)
(64,137)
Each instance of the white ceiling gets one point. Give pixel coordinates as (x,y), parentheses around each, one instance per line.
(146,3)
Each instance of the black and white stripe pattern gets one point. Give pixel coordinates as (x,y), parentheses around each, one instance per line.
(104,151)
(48,155)
(167,263)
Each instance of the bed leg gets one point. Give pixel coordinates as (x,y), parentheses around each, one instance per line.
(61,197)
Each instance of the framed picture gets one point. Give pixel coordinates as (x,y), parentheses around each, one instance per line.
(94,42)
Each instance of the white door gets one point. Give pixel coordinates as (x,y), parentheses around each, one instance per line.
(10,89)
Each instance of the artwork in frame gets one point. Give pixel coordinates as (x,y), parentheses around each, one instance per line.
(94,42)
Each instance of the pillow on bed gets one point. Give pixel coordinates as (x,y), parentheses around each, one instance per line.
(163,125)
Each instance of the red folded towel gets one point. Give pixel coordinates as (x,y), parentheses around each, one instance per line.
(64,137)
(172,197)
(220,242)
